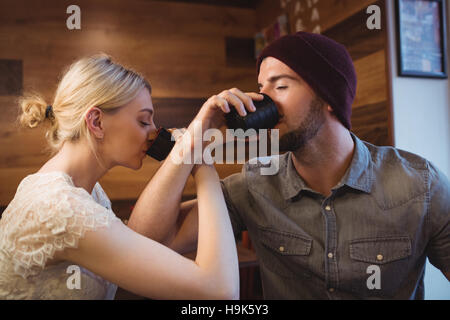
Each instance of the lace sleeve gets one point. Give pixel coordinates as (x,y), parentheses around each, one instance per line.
(54,222)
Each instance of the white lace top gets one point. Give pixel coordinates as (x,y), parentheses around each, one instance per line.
(48,213)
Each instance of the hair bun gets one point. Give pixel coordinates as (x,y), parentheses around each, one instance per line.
(33,109)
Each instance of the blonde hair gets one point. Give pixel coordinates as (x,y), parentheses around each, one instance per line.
(94,81)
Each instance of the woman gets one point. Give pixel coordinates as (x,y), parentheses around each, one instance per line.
(61,221)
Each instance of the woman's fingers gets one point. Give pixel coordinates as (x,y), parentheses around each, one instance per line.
(219,102)
(255,96)
(245,98)
(243,102)
(235,101)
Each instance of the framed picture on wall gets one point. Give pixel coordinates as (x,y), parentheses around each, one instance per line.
(422,38)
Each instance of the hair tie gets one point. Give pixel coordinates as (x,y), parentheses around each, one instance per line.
(48,111)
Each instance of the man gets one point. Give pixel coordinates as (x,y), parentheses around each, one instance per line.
(342,219)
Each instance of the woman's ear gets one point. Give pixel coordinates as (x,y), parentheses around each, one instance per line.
(94,122)
(330,109)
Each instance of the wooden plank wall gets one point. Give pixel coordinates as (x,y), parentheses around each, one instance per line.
(179,47)
(345,22)
(187,51)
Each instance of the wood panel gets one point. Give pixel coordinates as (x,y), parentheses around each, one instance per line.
(240,52)
(165,41)
(370,123)
(11,76)
(179,47)
(331,12)
(175,112)
(171,73)
(372,84)
(356,37)
(10,178)
(141,17)
(199,81)
(227,3)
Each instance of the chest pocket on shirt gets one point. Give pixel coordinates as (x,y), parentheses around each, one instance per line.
(284,253)
(379,265)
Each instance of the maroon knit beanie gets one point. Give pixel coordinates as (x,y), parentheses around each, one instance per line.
(323,63)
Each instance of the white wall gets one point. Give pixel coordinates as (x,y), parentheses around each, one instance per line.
(421,115)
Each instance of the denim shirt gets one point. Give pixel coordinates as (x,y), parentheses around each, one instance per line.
(369,239)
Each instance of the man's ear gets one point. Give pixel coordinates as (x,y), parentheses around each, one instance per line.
(94,122)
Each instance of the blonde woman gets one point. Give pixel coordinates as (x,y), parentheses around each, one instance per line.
(61,221)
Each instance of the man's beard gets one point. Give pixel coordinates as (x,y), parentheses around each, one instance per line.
(297,139)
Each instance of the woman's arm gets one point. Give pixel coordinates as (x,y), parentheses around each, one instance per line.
(216,243)
(145,267)
(157,209)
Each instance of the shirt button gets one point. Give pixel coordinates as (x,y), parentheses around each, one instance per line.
(328,208)
(330,255)
(282,249)
(380,257)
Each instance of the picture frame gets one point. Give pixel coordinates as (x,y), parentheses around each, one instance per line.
(422,38)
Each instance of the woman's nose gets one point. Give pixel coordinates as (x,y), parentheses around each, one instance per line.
(153,132)
(153,126)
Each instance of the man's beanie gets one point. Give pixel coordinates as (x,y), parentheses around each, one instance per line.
(323,63)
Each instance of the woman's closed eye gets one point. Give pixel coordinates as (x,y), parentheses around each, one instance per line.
(144,123)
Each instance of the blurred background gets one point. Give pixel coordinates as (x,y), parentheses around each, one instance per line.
(190,50)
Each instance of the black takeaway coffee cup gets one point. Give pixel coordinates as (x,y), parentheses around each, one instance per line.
(161,146)
(265,117)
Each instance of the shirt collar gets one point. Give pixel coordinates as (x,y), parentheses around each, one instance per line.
(291,182)
(358,176)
